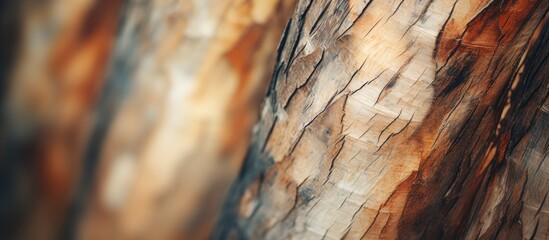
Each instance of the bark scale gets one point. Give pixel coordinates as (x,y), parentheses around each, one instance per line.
(410,119)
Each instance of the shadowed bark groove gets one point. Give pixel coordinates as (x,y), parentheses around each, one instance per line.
(413,119)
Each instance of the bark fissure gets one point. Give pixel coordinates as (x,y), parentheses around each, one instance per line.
(408,132)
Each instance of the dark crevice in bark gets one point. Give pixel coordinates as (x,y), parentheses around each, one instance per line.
(503,144)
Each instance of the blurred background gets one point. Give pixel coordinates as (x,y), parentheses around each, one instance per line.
(128,119)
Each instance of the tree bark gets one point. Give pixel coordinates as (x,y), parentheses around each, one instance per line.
(401,119)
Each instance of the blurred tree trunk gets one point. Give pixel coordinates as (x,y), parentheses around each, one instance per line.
(139,142)
(59,50)
(411,119)
(175,117)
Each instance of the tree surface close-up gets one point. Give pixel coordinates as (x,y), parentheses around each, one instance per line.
(274,119)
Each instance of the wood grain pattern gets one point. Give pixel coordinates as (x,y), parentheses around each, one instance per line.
(410,119)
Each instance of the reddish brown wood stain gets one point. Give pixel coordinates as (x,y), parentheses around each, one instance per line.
(241,58)
(445,197)
(399,195)
(502,147)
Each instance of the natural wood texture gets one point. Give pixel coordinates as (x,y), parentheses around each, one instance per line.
(411,119)
(175,117)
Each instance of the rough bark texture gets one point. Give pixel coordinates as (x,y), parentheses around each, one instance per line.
(410,119)
(175,117)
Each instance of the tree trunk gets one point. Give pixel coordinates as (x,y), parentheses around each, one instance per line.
(175,117)
(409,119)
(59,52)
(150,149)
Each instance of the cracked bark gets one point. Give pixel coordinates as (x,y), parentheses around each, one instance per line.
(401,119)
